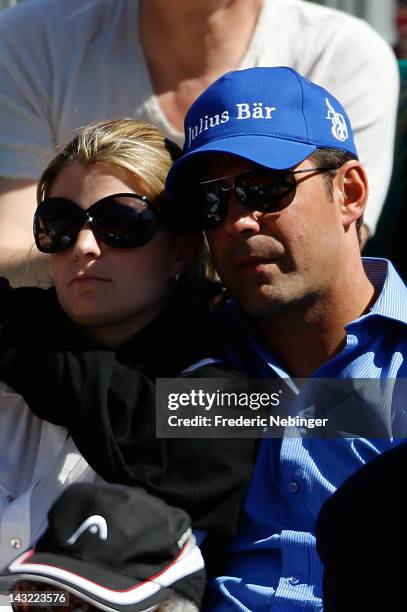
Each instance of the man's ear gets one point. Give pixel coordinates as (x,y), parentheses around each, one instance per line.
(352,181)
(187,250)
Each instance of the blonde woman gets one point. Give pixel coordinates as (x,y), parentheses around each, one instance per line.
(85,355)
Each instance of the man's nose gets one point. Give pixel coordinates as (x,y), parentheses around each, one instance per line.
(86,243)
(240,218)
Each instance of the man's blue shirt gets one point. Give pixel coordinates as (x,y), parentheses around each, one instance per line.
(273,563)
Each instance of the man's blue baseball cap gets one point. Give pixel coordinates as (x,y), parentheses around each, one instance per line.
(271,116)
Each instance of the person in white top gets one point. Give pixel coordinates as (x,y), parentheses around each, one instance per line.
(38,461)
(64,63)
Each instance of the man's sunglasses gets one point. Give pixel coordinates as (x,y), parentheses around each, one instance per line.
(122,220)
(266,191)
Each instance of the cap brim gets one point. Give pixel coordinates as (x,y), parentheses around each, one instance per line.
(102,587)
(267,151)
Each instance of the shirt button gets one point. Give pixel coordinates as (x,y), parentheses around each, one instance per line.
(10,498)
(293,486)
(16,543)
(293,580)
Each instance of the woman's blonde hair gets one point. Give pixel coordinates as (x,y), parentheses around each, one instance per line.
(137,148)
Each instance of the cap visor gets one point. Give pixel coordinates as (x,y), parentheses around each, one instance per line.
(273,153)
(106,589)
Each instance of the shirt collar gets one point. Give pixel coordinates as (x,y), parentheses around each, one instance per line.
(392,299)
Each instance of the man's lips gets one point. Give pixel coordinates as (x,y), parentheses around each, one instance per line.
(252,262)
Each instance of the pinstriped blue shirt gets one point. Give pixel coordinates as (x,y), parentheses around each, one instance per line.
(273,563)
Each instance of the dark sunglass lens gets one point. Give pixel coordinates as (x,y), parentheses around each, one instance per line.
(56,225)
(134,201)
(212,206)
(125,226)
(268,192)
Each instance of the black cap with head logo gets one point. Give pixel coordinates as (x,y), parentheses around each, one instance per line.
(116,546)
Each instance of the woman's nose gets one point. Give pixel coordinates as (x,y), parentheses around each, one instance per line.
(86,243)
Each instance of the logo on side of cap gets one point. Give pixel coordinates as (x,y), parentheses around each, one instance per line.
(339,128)
(95,524)
(184,538)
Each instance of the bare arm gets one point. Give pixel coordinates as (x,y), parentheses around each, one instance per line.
(26,134)
(20,261)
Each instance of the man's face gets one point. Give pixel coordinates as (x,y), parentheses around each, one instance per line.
(281,260)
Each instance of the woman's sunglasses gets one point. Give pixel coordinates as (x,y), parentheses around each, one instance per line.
(266,191)
(122,220)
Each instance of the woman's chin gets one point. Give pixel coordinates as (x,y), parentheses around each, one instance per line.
(89,317)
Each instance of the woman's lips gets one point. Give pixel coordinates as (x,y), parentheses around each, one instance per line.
(88,278)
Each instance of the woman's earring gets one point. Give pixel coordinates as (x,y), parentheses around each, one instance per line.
(176,277)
